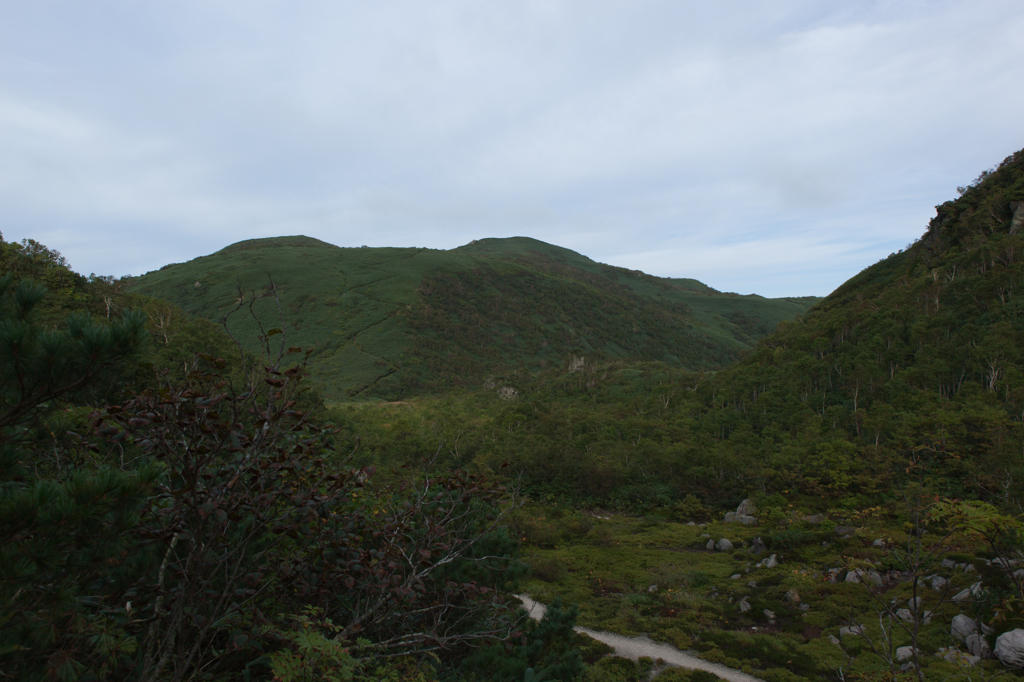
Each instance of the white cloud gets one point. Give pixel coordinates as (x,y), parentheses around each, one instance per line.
(762,146)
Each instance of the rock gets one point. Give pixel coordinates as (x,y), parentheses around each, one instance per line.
(770,615)
(814,518)
(954,655)
(833,639)
(961,627)
(733,517)
(948,563)
(735,576)
(907,667)
(939,583)
(905,653)
(752,584)
(905,615)
(691,523)
(759,548)
(744,605)
(706,535)
(1019,573)
(851,631)
(977,645)
(653,589)
(927,618)
(880,543)
(770,562)
(972,591)
(710,545)
(969,568)
(747,508)
(857,575)
(914,604)
(793,596)
(723,545)
(1010,648)
(805,607)
(844,531)
(508,393)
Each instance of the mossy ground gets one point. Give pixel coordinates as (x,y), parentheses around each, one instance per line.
(655,577)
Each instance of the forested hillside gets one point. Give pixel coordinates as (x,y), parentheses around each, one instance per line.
(922,350)
(392,323)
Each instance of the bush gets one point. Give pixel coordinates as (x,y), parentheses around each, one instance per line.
(690,508)
(684,675)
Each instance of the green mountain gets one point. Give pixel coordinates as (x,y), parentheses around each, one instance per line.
(394,322)
(919,354)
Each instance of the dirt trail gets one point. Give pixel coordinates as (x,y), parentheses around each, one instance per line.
(635,647)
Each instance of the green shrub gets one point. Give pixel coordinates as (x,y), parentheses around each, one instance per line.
(685,675)
(690,508)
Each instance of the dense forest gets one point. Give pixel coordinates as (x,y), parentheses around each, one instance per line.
(183,497)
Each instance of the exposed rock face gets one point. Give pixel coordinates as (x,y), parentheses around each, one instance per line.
(508,393)
(1010,648)
(1018,216)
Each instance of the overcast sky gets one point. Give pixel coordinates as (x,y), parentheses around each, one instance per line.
(762,147)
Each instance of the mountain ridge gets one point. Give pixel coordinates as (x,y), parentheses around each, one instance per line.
(440,319)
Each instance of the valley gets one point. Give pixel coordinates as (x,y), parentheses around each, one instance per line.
(381,447)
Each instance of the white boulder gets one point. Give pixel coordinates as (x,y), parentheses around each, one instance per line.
(1010,648)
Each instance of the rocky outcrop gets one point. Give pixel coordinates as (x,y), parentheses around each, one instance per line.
(744,514)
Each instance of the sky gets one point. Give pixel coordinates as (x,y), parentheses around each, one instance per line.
(775,148)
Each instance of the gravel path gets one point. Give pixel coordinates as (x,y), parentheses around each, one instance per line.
(635,647)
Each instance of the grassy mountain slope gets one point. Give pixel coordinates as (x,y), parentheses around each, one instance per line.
(392,322)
